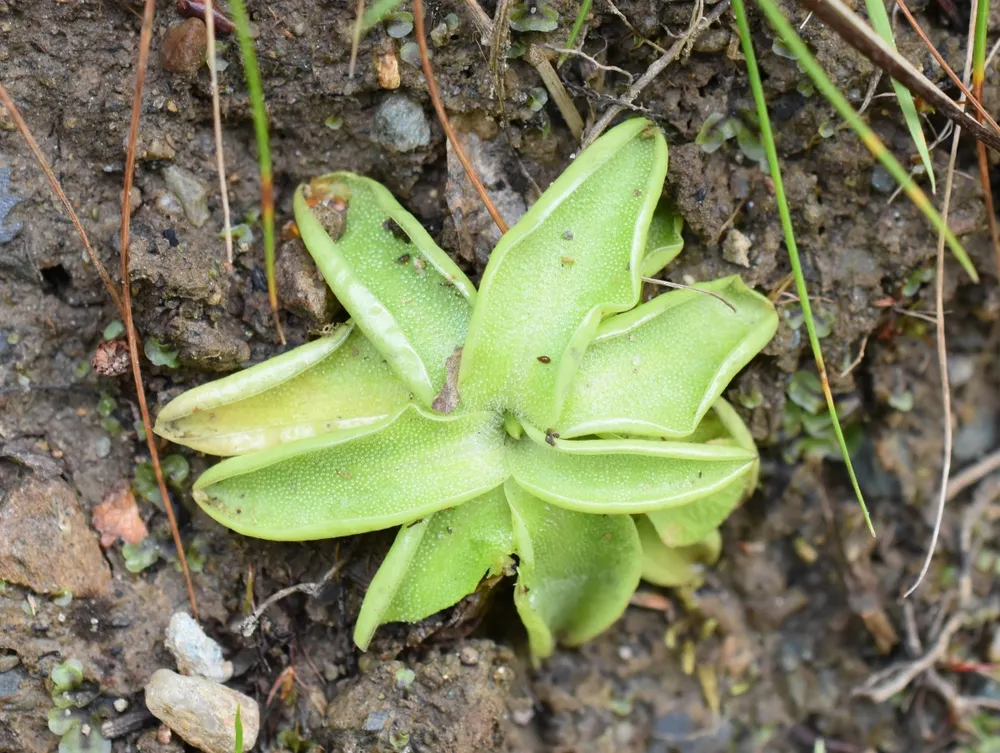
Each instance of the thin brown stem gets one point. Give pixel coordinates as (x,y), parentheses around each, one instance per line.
(695,28)
(974,101)
(220,160)
(432,89)
(942,349)
(133,339)
(25,132)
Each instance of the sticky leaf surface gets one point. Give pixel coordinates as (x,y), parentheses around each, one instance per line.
(334,383)
(337,485)
(408,297)
(576,572)
(573,257)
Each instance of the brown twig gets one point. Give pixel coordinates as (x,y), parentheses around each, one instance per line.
(249,625)
(220,160)
(432,89)
(356,38)
(854,31)
(942,350)
(974,101)
(678,286)
(22,127)
(971,475)
(697,26)
(133,339)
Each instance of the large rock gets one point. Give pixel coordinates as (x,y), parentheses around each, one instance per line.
(47,543)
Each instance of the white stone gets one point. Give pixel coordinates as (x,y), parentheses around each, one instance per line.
(202,712)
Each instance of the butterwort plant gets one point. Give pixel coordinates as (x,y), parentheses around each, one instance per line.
(548,426)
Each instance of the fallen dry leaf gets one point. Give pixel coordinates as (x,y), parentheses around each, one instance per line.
(118,517)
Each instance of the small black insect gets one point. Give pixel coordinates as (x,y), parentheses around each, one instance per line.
(544,359)
(700,194)
(404,259)
(551,436)
(393,227)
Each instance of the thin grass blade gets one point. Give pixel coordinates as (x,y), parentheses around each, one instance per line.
(767,140)
(256,91)
(833,95)
(883,27)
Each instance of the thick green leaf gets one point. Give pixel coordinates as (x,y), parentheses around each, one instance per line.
(356,481)
(334,383)
(436,562)
(675,566)
(576,572)
(617,476)
(686,525)
(656,370)
(403,292)
(575,256)
(664,240)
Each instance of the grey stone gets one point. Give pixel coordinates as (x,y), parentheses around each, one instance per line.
(191,193)
(400,124)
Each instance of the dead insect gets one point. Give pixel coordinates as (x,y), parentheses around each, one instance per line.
(393,227)
(404,259)
(544,359)
(551,435)
(568,235)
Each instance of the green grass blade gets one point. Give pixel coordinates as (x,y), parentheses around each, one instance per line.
(767,140)
(979,41)
(575,31)
(833,95)
(252,72)
(883,27)
(238,745)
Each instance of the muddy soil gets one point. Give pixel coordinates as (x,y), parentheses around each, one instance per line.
(764,656)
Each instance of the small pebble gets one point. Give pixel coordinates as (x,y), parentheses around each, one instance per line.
(375,721)
(736,248)
(400,124)
(190,191)
(882,181)
(388,70)
(468,656)
(184,46)
(195,653)
(120,705)
(202,712)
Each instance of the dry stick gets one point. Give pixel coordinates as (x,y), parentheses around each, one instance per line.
(974,101)
(962,481)
(249,625)
(22,127)
(693,32)
(133,340)
(942,351)
(850,28)
(497,31)
(220,161)
(432,89)
(590,59)
(557,89)
(356,38)
(678,286)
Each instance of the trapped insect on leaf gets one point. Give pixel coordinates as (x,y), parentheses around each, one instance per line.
(547,425)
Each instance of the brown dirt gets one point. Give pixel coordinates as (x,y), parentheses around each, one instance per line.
(787,625)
